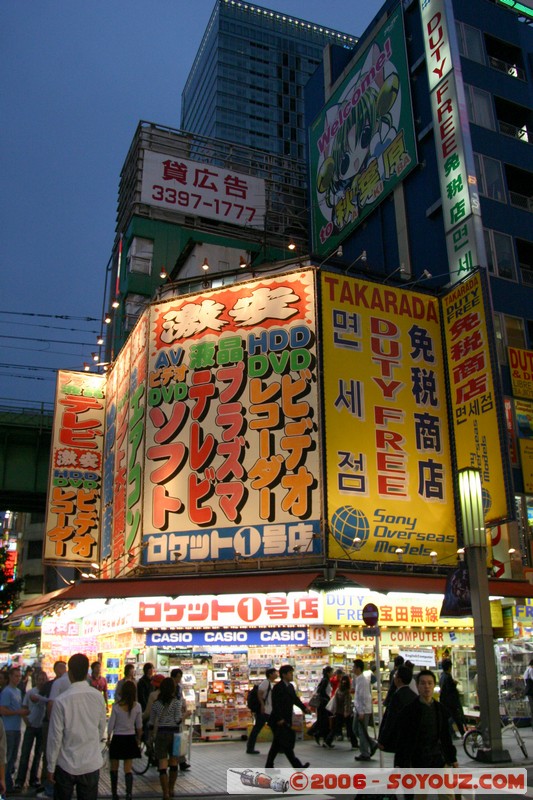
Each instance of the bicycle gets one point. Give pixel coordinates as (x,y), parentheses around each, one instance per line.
(473,739)
(146,759)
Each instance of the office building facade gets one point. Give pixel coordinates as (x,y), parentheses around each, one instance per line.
(246,83)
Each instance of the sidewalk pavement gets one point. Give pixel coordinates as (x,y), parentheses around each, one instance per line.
(211,760)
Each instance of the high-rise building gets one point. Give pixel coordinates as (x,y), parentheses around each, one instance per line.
(246,83)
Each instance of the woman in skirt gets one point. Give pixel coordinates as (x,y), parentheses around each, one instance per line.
(165,721)
(124,729)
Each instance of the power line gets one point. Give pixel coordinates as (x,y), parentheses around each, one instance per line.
(49,316)
(47,327)
(46,341)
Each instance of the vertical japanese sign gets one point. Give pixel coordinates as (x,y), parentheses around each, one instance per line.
(455,158)
(124,454)
(202,189)
(232,452)
(362,143)
(478,423)
(72,534)
(524,426)
(521,367)
(389,481)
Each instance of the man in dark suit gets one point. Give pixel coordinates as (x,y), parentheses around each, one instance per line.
(284,697)
(424,734)
(402,697)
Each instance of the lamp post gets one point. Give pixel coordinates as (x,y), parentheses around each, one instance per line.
(476,558)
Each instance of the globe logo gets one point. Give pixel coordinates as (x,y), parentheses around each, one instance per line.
(486,500)
(349,523)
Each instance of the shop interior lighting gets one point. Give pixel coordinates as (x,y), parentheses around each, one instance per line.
(399,553)
(461,554)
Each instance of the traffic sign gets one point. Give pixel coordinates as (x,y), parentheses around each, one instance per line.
(370,614)
(370,632)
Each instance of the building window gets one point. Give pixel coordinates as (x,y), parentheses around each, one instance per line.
(490,177)
(35,549)
(470,42)
(509,332)
(479,104)
(500,254)
(140,255)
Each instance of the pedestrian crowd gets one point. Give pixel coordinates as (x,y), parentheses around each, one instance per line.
(62,745)
(416,726)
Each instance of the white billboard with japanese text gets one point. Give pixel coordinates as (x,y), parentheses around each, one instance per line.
(203,190)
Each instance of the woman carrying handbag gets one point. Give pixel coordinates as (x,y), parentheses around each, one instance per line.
(321,728)
(124,732)
(341,707)
(165,721)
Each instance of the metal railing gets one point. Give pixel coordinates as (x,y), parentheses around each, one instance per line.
(521,201)
(517,132)
(509,69)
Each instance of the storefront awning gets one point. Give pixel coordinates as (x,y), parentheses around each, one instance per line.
(172,586)
(36,605)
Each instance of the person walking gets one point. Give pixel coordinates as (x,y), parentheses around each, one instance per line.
(362,711)
(124,734)
(321,728)
(449,697)
(264,696)
(3,751)
(528,687)
(144,685)
(60,669)
(424,734)
(12,711)
(284,697)
(129,675)
(402,696)
(342,713)
(165,721)
(33,734)
(398,662)
(97,680)
(76,730)
(177,674)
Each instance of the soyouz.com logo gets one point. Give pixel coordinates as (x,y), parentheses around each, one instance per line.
(497,782)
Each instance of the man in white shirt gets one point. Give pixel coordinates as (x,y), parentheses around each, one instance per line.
(77,728)
(362,704)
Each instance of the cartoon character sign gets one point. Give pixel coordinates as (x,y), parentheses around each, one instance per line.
(363,142)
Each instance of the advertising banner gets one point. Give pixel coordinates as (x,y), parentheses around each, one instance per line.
(72,530)
(124,454)
(408,611)
(239,638)
(362,143)
(521,367)
(232,465)
(524,425)
(455,158)
(478,423)
(389,477)
(228,611)
(202,190)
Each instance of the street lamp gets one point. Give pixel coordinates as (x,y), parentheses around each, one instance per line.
(475,542)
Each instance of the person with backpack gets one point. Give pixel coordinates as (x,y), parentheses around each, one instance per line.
(260,704)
